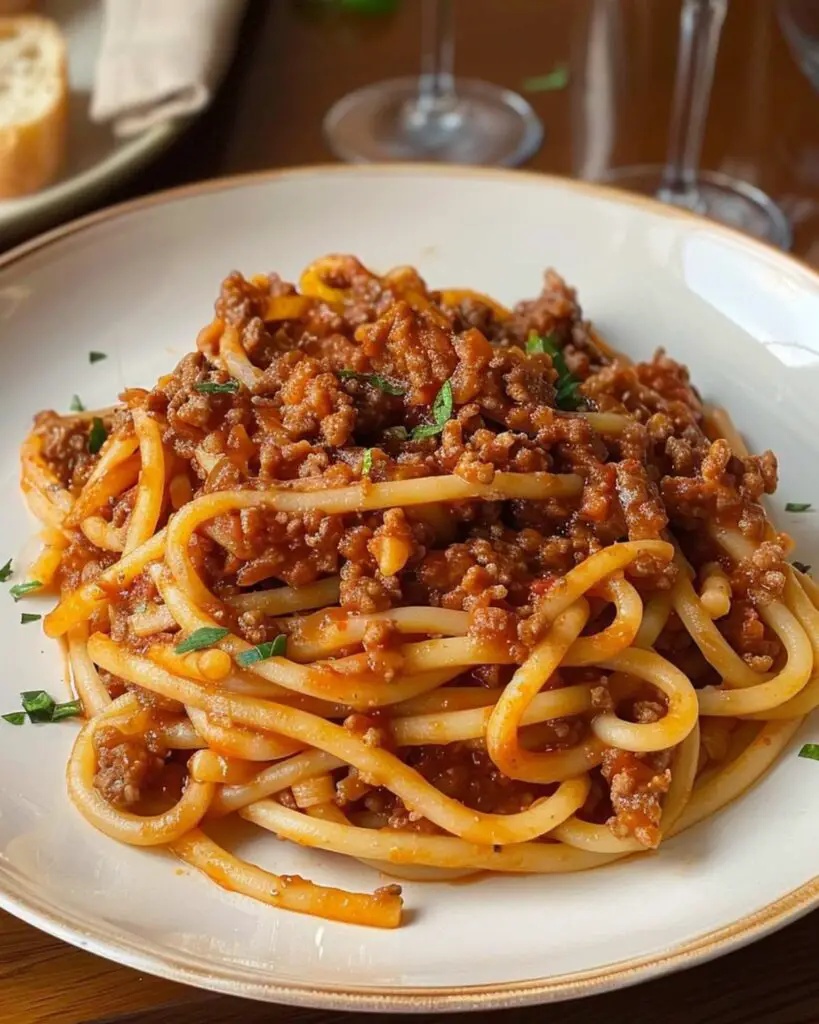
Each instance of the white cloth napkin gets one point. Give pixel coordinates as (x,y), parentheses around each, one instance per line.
(161,59)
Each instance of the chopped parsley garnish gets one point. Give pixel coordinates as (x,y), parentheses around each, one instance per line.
(566,386)
(97,435)
(441,412)
(5,572)
(553,81)
(801,567)
(76,404)
(367,462)
(96,357)
(210,387)
(40,707)
(27,617)
(21,589)
(207,636)
(261,652)
(69,709)
(810,750)
(389,387)
(369,8)
(797,506)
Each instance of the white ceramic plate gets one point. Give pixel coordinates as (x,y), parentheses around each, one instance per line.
(138,282)
(96,159)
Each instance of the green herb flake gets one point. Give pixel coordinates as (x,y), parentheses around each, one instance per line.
(38,705)
(5,572)
(567,396)
(544,344)
(810,750)
(97,435)
(41,708)
(272,649)
(369,8)
(210,387)
(69,709)
(21,589)
(441,413)
(207,636)
(76,404)
(797,506)
(27,617)
(96,357)
(367,462)
(801,567)
(389,387)
(554,81)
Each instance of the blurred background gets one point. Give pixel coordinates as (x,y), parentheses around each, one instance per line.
(596,78)
(169,93)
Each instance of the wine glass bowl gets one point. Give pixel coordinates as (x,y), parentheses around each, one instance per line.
(681,182)
(481,124)
(800,24)
(434,117)
(731,201)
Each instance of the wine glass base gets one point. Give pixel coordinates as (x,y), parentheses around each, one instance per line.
(718,196)
(385,121)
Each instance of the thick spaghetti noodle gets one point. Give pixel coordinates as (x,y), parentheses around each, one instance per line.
(412,577)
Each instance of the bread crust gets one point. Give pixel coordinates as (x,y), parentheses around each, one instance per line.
(32,151)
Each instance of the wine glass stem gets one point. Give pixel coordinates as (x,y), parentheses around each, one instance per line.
(436,87)
(701,25)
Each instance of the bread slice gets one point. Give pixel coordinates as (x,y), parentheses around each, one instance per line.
(33,103)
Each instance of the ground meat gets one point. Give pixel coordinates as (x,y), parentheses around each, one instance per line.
(471,312)
(240,301)
(382,643)
(310,401)
(762,576)
(296,549)
(637,784)
(646,390)
(365,590)
(648,711)
(373,728)
(64,447)
(82,562)
(640,501)
(748,634)
(342,376)
(556,314)
(468,775)
(126,765)
(411,346)
(721,488)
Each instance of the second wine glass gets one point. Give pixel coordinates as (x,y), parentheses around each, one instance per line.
(435,116)
(680,182)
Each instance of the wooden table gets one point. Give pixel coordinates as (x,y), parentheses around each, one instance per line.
(764,126)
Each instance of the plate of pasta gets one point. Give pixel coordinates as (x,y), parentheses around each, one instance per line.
(404,605)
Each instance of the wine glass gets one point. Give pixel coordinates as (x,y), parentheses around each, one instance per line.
(800,23)
(681,182)
(435,116)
